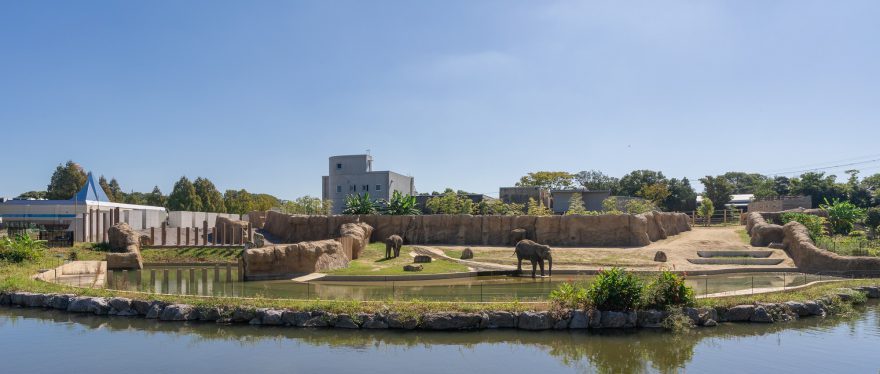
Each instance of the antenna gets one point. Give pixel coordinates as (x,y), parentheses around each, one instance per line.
(368,152)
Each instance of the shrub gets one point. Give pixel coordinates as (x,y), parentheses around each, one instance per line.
(706,209)
(569,295)
(842,215)
(668,289)
(615,289)
(872,218)
(815,224)
(21,248)
(401,205)
(359,204)
(857,234)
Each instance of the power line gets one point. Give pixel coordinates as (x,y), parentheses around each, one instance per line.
(828,167)
(821,164)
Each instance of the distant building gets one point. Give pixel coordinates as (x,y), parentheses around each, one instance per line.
(592,199)
(780,203)
(353,175)
(521,195)
(738,201)
(421,200)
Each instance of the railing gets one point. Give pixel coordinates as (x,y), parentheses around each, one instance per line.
(717,218)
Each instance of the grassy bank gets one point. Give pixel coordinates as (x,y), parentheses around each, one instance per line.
(372,261)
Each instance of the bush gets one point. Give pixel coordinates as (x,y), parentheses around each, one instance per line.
(857,234)
(615,289)
(21,248)
(569,295)
(815,224)
(842,215)
(668,289)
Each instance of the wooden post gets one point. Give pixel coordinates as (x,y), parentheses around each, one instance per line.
(152,236)
(192,278)
(216,273)
(165,279)
(85,237)
(205,279)
(205,232)
(152,279)
(178,236)
(163,233)
(187,236)
(196,236)
(228,273)
(241,235)
(250,233)
(225,230)
(116,215)
(104,225)
(179,280)
(725,216)
(110,279)
(214,236)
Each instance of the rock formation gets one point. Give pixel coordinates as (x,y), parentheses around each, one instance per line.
(125,242)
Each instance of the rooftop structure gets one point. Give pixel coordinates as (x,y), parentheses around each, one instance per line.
(353,175)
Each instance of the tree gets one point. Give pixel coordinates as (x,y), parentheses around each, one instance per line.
(450,203)
(718,189)
(856,191)
(183,197)
(576,205)
(744,183)
(238,202)
(211,198)
(137,198)
(307,205)
(706,209)
(33,195)
(633,182)
(534,208)
(105,186)
(263,202)
(872,218)
(842,215)
(819,186)
(116,194)
(655,193)
(156,198)
(639,206)
(682,197)
(554,180)
(497,207)
(595,180)
(401,205)
(359,204)
(611,205)
(766,189)
(66,181)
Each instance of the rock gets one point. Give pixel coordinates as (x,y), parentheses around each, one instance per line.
(27,299)
(776,245)
(121,306)
(535,321)
(60,302)
(210,314)
(145,240)
(561,324)
(761,315)
(451,321)
(243,315)
(179,312)
(797,308)
(84,304)
(127,243)
(372,321)
(814,309)
(5,299)
(268,317)
(660,256)
(344,321)
(318,319)
(297,319)
(360,234)
(284,260)
(613,320)
(651,318)
(500,320)
(230,230)
(710,323)
(467,254)
(740,313)
(699,316)
(412,267)
(579,320)
(397,321)
(155,310)
(595,317)
(422,259)
(871,292)
(141,306)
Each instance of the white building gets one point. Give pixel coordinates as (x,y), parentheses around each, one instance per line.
(353,175)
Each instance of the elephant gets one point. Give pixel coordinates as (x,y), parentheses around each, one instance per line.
(516,235)
(393,243)
(534,252)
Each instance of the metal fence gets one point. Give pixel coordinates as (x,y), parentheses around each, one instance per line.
(717,218)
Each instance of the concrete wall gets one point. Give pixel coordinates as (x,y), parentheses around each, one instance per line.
(780,204)
(603,230)
(521,195)
(195,219)
(592,199)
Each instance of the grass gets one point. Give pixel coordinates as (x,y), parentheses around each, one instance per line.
(744,236)
(561,256)
(848,246)
(372,262)
(801,294)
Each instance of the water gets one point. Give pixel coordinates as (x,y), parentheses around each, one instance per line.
(495,288)
(38,341)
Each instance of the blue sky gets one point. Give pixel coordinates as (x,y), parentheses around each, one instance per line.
(466,94)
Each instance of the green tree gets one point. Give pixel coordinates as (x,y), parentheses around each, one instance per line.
(682,197)
(872,218)
(238,202)
(706,209)
(263,202)
(595,180)
(137,198)
(401,205)
(639,206)
(611,205)
(554,180)
(183,197)
(535,208)
(819,186)
(856,192)
(576,205)
(718,189)
(359,204)
(156,198)
(116,194)
(33,195)
(842,215)
(306,205)
(66,181)
(744,183)
(105,186)
(632,183)
(655,193)
(211,198)
(488,207)
(450,203)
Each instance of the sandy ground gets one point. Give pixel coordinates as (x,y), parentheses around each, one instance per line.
(678,249)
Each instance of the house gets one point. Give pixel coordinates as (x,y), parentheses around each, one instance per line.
(354,175)
(521,195)
(780,203)
(592,199)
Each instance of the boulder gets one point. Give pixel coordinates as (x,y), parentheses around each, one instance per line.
(318,319)
(612,319)
(660,256)
(412,267)
(243,315)
(268,317)
(467,254)
(699,316)
(422,259)
(121,306)
(535,321)
(359,233)
(5,299)
(60,302)
(27,299)
(344,321)
(798,308)
(372,321)
(814,309)
(141,306)
(155,310)
(291,318)
(595,317)
(85,304)
(776,245)
(229,231)
(179,312)
(579,320)
(125,242)
(870,292)
(451,321)
(740,313)
(285,260)
(210,314)
(710,323)
(651,318)
(500,320)
(761,315)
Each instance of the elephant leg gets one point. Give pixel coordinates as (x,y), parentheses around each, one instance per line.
(387,251)
(519,265)
(533,268)
(541,264)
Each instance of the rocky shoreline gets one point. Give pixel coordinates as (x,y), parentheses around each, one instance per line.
(490,319)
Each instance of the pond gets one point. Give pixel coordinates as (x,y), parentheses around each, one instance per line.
(211,281)
(44,341)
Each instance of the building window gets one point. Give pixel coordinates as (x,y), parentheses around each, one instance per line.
(352,188)
(338,166)
(338,188)
(378,187)
(365,187)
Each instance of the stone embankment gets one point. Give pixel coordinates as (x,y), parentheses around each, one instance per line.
(490,319)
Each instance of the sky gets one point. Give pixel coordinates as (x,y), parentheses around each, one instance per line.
(464,94)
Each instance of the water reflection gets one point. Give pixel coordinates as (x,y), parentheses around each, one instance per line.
(606,351)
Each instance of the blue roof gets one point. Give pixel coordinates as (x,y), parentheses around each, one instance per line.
(91,191)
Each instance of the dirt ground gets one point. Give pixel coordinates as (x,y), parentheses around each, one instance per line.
(678,249)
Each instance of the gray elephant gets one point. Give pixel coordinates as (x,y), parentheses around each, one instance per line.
(535,253)
(393,243)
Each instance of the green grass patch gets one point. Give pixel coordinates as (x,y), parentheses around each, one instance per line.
(744,236)
(372,261)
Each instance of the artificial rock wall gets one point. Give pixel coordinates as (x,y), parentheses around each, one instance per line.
(571,231)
